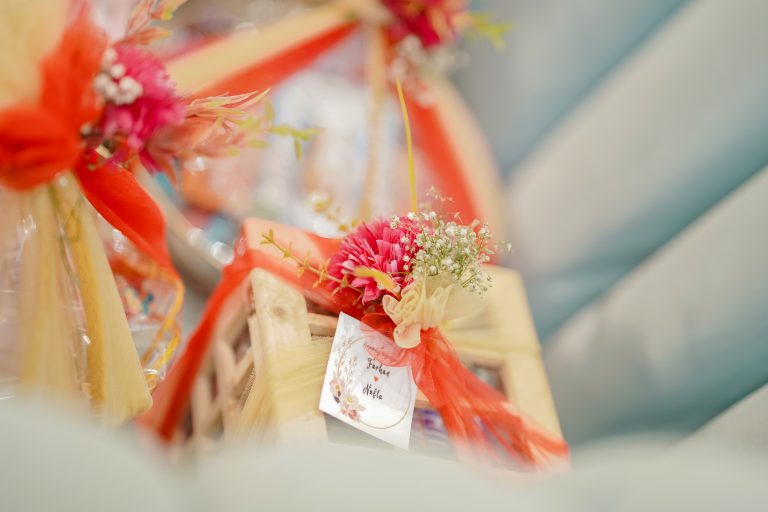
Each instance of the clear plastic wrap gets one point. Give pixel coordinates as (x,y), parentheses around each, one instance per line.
(151,299)
(63,329)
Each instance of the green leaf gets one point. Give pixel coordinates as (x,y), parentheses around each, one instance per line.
(483,25)
(297,148)
(269,112)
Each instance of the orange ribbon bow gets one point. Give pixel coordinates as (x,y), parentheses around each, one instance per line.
(39,141)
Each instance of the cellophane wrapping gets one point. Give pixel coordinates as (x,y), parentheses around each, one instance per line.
(64,330)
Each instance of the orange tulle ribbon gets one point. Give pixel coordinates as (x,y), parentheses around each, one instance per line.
(40,141)
(474,414)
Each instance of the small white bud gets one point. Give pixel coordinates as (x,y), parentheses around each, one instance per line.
(109,56)
(117,70)
(130,85)
(110,90)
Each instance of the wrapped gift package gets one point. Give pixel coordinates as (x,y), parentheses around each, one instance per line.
(88,293)
(64,330)
(263,374)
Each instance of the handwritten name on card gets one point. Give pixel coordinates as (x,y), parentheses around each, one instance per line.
(362,392)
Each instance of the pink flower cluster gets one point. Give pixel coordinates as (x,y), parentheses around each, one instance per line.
(140,97)
(378,246)
(432,21)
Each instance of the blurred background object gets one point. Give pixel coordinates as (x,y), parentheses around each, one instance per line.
(635,137)
(330,71)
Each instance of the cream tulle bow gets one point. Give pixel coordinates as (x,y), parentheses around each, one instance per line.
(426,303)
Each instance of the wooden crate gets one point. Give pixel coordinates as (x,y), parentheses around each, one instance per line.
(270,318)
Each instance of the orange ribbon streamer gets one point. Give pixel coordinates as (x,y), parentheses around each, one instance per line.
(37,142)
(117,195)
(462,398)
(474,414)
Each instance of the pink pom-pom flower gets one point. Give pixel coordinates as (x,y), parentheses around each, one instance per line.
(380,245)
(140,97)
(432,21)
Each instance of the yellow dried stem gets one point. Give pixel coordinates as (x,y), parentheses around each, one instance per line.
(409,145)
(48,331)
(377,78)
(114,375)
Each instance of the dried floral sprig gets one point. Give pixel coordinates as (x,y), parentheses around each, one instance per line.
(303,265)
(425,34)
(213,127)
(323,205)
(299,136)
(448,248)
(145,115)
(139,32)
(432,21)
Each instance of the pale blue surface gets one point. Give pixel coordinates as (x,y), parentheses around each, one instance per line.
(680,338)
(672,131)
(637,211)
(557,52)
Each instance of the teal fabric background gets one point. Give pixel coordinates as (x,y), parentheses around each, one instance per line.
(633,135)
(557,52)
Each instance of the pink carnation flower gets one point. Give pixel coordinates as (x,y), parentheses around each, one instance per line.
(432,21)
(379,246)
(140,98)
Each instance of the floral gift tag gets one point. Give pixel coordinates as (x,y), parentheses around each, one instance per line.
(362,392)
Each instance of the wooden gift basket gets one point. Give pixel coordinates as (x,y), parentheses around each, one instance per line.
(269,318)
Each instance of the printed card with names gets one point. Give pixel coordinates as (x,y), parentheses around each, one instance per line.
(363,393)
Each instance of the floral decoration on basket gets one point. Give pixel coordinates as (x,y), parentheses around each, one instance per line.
(401,277)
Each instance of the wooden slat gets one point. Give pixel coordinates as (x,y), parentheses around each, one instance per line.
(200,403)
(242,372)
(322,325)
(282,322)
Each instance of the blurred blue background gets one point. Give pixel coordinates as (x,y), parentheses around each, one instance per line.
(633,136)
